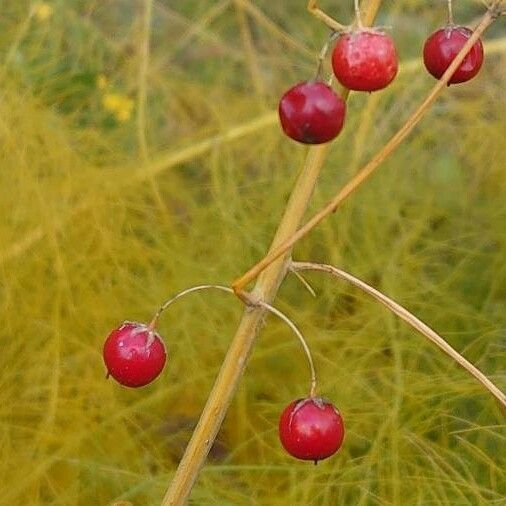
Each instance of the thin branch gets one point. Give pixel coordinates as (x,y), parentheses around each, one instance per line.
(450,13)
(273,310)
(143,73)
(249,49)
(199,26)
(358,16)
(276,30)
(322,56)
(409,318)
(304,281)
(364,174)
(142,96)
(251,302)
(312,7)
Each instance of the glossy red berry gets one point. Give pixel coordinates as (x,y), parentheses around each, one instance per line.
(311,429)
(441,48)
(134,355)
(365,60)
(311,112)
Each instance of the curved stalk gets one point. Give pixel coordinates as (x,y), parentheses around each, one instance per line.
(450,13)
(409,318)
(252,303)
(321,57)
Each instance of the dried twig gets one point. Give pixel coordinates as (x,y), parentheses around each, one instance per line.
(409,318)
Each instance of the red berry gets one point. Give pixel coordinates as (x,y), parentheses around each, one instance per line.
(311,113)
(365,60)
(441,48)
(134,354)
(311,429)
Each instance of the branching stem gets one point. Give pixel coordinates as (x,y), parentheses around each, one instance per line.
(312,7)
(364,174)
(409,318)
(250,301)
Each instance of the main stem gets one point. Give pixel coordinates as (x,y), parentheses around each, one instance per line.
(237,355)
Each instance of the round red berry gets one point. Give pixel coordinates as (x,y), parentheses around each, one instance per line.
(441,48)
(365,60)
(311,429)
(134,354)
(311,112)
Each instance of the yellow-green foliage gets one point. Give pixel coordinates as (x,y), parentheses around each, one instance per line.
(96,229)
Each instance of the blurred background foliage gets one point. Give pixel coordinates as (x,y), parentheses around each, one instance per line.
(125,179)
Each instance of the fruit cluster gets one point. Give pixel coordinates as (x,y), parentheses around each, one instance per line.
(309,428)
(311,112)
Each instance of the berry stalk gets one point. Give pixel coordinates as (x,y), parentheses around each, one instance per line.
(250,302)
(450,13)
(358,16)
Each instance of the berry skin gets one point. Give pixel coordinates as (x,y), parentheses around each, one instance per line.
(365,60)
(134,355)
(311,429)
(441,48)
(312,113)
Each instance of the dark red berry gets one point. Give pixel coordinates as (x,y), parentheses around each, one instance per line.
(311,113)
(134,354)
(311,429)
(441,48)
(365,60)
